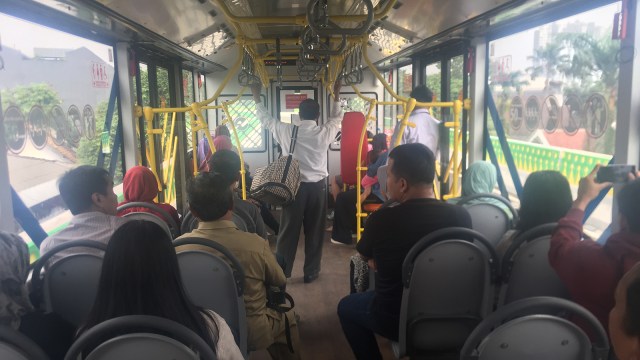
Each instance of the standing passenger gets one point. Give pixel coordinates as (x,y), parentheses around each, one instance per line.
(387,238)
(309,207)
(427,130)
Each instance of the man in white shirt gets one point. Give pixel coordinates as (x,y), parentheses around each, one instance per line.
(88,193)
(427,130)
(309,208)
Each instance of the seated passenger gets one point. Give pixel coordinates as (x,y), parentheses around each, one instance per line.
(344,221)
(591,270)
(427,129)
(376,157)
(140,185)
(49,331)
(624,318)
(388,236)
(140,276)
(211,202)
(14,268)
(480,178)
(226,164)
(546,198)
(88,193)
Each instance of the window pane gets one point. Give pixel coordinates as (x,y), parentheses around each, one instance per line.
(405,83)
(434,83)
(388,122)
(246,122)
(54,93)
(187,90)
(555,88)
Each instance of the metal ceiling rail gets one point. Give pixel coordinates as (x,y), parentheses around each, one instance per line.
(301,20)
(328,27)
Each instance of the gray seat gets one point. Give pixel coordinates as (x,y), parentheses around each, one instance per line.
(70,285)
(212,284)
(166,218)
(239,222)
(145,216)
(524,330)
(16,346)
(140,337)
(190,222)
(526,271)
(448,289)
(487,218)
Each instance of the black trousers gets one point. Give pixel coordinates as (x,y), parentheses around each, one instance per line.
(344,217)
(308,211)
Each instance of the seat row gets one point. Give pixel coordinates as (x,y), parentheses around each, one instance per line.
(189,222)
(68,287)
(453,281)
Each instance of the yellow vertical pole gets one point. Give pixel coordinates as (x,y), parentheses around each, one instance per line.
(164,129)
(148,117)
(360,168)
(411,104)
(168,149)
(225,108)
(194,143)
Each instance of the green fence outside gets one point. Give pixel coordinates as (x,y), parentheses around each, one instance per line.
(529,157)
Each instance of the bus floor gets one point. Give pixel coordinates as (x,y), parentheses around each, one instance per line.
(316,303)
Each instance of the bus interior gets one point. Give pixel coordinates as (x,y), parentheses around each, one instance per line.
(528,85)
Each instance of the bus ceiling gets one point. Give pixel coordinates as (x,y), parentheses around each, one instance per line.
(202,32)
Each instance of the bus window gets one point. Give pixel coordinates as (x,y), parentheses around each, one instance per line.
(405,83)
(248,127)
(388,123)
(54,91)
(187,91)
(555,88)
(434,83)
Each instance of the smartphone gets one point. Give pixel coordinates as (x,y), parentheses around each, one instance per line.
(618,173)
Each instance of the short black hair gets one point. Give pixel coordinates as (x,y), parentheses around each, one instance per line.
(422,93)
(209,196)
(629,204)
(414,162)
(631,319)
(78,185)
(309,109)
(226,164)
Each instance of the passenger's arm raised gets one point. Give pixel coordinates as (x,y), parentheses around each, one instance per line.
(588,189)
(263,115)
(335,117)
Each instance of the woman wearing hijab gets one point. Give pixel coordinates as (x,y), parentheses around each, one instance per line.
(481,178)
(140,185)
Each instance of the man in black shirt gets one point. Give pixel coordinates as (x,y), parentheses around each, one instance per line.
(388,236)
